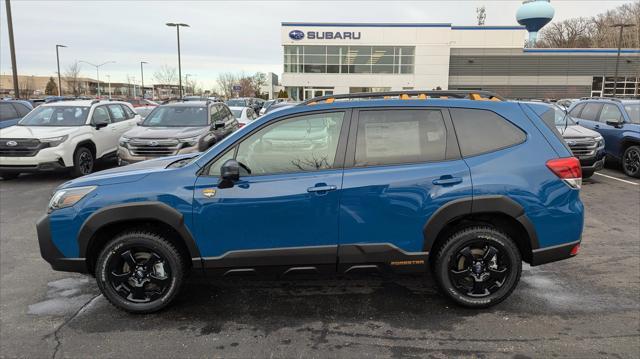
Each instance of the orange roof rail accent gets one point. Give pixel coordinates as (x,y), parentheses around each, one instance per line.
(404,96)
(330,100)
(494,99)
(444,97)
(475,97)
(422,96)
(312,103)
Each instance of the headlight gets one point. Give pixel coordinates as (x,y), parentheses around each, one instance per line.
(54,141)
(123,141)
(68,197)
(189,141)
(599,141)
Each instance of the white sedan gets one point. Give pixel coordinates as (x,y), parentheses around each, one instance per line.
(244,115)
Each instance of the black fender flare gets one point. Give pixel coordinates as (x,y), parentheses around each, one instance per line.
(148,210)
(477,205)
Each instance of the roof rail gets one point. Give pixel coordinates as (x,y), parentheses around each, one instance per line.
(406,95)
(95,101)
(601,98)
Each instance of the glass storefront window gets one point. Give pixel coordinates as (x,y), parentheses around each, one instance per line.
(349,59)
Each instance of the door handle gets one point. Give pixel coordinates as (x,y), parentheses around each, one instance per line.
(322,188)
(447,181)
(596,126)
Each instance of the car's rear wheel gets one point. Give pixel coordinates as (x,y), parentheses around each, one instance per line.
(478,267)
(140,272)
(82,162)
(631,161)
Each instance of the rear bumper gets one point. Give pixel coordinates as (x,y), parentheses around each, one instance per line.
(553,253)
(52,255)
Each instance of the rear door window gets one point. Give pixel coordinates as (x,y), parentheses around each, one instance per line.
(575,112)
(22,109)
(590,111)
(117,113)
(482,131)
(387,137)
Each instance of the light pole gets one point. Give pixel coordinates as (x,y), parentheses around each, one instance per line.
(186,80)
(177,26)
(142,77)
(98,71)
(12,49)
(58,60)
(615,79)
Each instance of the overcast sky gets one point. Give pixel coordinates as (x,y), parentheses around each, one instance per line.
(224,35)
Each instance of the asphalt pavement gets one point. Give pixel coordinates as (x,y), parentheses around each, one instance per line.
(585,307)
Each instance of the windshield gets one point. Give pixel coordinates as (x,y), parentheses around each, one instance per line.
(176,116)
(634,112)
(56,116)
(237,103)
(236,113)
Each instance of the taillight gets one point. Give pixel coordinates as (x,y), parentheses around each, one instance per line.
(575,250)
(568,169)
(240,124)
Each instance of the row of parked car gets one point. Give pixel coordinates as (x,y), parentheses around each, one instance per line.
(73,134)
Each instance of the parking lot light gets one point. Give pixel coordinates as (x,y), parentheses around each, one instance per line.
(58,61)
(98,71)
(177,26)
(142,77)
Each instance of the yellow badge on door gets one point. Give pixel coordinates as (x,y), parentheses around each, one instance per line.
(209,193)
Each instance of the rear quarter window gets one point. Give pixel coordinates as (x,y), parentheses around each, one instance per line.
(482,131)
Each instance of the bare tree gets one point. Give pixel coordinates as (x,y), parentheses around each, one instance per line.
(595,31)
(26,86)
(481,13)
(72,78)
(166,75)
(226,81)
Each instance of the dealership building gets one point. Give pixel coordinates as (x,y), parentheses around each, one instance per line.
(336,58)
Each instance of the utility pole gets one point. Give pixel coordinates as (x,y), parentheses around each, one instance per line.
(12,47)
(98,71)
(58,61)
(615,79)
(177,26)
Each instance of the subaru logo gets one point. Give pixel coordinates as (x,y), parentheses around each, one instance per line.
(571,143)
(12,143)
(296,35)
(153,143)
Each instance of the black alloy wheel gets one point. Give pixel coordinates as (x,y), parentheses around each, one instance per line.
(139,274)
(140,271)
(82,162)
(631,161)
(478,269)
(477,266)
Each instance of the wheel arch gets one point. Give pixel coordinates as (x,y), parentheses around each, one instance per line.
(155,216)
(500,211)
(628,141)
(89,144)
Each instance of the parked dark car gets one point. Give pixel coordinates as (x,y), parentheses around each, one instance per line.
(11,111)
(618,121)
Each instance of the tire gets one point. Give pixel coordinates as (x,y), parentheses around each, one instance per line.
(503,266)
(146,288)
(83,162)
(9,176)
(631,161)
(587,174)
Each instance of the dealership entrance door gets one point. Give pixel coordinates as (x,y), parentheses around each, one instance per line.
(310,93)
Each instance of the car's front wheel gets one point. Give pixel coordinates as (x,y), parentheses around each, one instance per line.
(631,161)
(478,267)
(82,162)
(140,271)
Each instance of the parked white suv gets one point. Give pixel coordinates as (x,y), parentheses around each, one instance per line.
(65,135)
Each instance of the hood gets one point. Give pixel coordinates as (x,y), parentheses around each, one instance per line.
(577,131)
(125,174)
(165,132)
(36,131)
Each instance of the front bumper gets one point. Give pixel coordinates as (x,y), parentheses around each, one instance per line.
(553,253)
(51,254)
(125,157)
(39,167)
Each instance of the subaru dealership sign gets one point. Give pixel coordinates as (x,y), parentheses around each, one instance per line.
(325,35)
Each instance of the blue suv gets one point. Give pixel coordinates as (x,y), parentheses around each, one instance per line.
(618,121)
(459,183)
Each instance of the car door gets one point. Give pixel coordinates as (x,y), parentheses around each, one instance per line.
(401,165)
(105,138)
(8,115)
(283,211)
(612,134)
(589,115)
(122,122)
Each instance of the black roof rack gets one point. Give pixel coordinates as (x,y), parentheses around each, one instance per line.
(457,94)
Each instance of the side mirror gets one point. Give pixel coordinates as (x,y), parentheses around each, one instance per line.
(100,123)
(614,123)
(229,173)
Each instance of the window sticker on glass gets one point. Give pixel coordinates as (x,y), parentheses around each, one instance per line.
(392,139)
